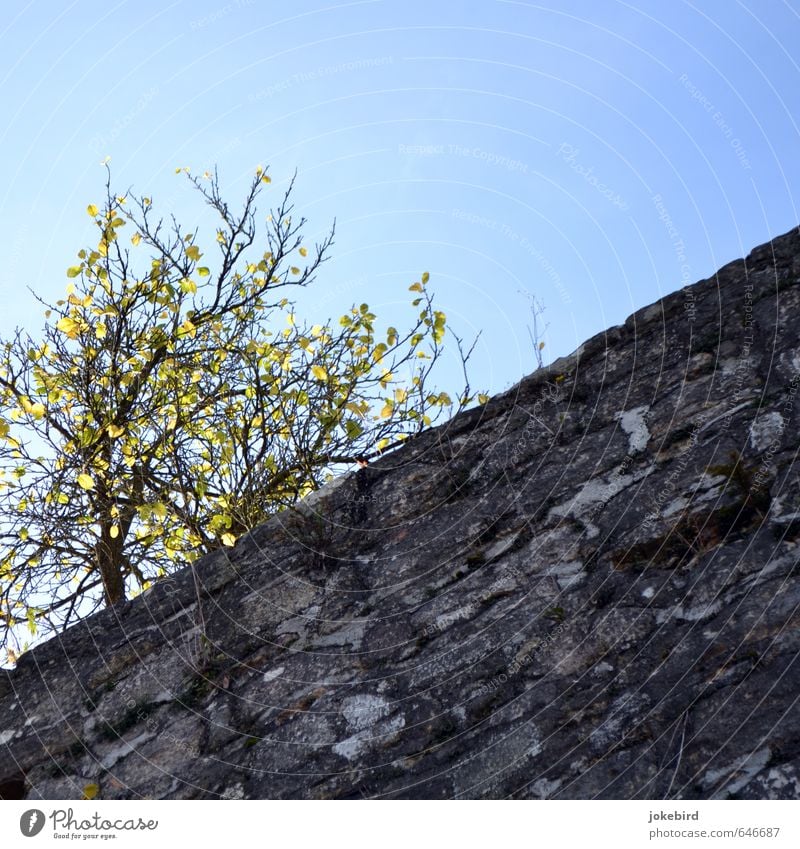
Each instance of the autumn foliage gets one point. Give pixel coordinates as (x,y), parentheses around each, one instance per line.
(175,399)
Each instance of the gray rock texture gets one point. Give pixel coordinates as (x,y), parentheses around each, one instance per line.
(586,588)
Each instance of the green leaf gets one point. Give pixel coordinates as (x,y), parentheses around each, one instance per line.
(353,428)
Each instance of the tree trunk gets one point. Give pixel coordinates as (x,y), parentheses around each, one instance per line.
(109,563)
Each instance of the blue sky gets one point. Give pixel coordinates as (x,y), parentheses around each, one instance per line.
(509,148)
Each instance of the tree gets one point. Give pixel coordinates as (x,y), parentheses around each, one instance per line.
(171,405)
(539,330)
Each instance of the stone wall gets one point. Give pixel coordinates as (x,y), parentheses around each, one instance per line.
(586,588)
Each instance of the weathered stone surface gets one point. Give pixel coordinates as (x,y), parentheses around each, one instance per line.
(586,588)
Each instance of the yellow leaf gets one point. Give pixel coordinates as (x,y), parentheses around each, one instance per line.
(187,328)
(381,444)
(266,179)
(482,398)
(319,372)
(100,330)
(387,410)
(415,287)
(36,410)
(115,430)
(303,252)
(203,271)
(136,238)
(294,269)
(92,210)
(425,278)
(193,252)
(355,409)
(85,481)
(90,791)
(74,271)
(69,326)
(228,539)
(400,395)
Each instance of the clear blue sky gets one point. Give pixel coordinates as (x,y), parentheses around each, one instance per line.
(504,146)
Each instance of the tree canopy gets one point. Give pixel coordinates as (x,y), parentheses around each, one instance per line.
(175,399)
